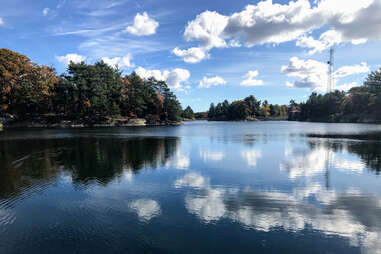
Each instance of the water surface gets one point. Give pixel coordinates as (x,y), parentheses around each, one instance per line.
(204,187)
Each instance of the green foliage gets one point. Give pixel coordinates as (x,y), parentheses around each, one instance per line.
(238,110)
(25,87)
(359,103)
(91,92)
(188,113)
(373,81)
(250,107)
(95,89)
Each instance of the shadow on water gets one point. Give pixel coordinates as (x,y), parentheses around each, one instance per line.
(30,164)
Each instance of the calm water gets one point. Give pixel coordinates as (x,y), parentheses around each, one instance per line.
(203,187)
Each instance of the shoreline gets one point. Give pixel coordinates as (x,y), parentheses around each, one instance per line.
(38,124)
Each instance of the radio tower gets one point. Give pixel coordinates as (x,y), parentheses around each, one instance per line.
(331,79)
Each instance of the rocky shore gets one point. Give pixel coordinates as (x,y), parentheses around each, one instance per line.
(48,123)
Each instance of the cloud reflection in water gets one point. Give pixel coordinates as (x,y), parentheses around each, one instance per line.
(348,214)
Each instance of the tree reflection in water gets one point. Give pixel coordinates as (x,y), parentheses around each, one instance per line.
(33,164)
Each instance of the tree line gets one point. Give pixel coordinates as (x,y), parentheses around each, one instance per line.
(359,104)
(247,109)
(90,92)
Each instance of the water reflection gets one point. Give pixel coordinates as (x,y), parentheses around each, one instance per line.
(251,156)
(348,214)
(146,191)
(209,155)
(320,155)
(33,164)
(146,209)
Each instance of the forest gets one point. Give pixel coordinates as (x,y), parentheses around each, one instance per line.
(99,93)
(84,93)
(359,104)
(247,109)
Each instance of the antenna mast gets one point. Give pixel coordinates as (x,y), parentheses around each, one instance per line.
(331,79)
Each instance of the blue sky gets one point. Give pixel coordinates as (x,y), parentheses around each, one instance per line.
(206,50)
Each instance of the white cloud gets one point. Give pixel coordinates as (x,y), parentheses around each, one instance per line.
(173,78)
(314,74)
(351,70)
(121,62)
(250,79)
(207,29)
(45,11)
(75,58)
(1,21)
(326,40)
(209,82)
(346,86)
(310,73)
(191,55)
(143,25)
(146,209)
(267,22)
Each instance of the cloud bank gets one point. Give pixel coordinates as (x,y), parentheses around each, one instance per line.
(273,23)
(314,74)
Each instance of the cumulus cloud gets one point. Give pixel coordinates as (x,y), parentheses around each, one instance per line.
(351,70)
(45,11)
(66,60)
(1,21)
(173,78)
(143,25)
(314,74)
(268,22)
(207,29)
(121,62)
(209,82)
(250,79)
(326,40)
(191,55)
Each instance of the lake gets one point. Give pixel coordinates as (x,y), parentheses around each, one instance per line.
(204,187)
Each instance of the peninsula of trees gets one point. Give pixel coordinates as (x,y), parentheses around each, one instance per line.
(84,95)
(247,109)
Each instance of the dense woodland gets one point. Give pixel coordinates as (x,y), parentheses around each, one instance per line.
(95,93)
(87,93)
(359,104)
(248,109)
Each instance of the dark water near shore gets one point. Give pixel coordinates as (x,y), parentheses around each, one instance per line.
(266,187)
